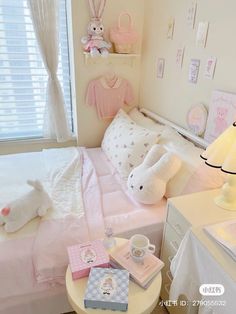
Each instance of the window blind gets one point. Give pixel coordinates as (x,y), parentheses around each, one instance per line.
(23,78)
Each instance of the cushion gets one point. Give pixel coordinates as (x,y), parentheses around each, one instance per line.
(146,122)
(204,178)
(194,175)
(126,144)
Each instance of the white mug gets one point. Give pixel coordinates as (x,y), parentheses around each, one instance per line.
(140,246)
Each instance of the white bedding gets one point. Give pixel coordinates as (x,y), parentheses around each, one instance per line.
(59,170)
(15,170)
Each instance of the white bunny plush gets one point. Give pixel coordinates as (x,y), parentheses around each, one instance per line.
(17,213)
(94,41)
(147,182)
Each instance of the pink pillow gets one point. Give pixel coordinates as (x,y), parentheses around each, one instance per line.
(204,178)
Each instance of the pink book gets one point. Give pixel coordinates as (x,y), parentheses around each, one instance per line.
(141,272)
(86,255)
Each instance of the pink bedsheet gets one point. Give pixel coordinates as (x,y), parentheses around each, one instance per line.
(119,210)
(35,263)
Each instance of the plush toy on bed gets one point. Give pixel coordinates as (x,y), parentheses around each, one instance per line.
(94,42)
(17,213)
(147,182)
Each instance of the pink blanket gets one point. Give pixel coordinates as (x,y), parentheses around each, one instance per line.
(120,211)
(106,203)
(38,261)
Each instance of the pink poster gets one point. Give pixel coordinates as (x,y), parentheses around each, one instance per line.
(222,112)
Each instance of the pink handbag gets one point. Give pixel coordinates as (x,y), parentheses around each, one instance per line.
(124,37)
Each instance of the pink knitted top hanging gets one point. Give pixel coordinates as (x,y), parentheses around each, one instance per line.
(109,95)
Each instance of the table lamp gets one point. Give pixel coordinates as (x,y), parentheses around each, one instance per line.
(222,154)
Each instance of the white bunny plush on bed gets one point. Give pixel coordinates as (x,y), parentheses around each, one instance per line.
(94,41)
(147,182)
(17,213)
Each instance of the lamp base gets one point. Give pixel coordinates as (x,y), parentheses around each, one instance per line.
(227,198)
(220,201)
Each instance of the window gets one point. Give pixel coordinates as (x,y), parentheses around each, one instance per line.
(23,78)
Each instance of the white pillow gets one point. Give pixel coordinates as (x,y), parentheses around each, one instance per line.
(189,155)
(187,180)
(146,122)
(126,144)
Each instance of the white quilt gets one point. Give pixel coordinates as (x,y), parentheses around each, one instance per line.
(59,170)
(63,173)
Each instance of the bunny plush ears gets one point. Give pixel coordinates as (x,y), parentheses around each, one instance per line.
(97,10)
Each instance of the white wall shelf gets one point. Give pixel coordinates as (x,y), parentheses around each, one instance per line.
(124,58)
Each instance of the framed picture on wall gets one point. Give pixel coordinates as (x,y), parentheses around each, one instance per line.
(197,118)
(170,28)
(193,71)
(202,33)
(222,113)
(191,14)
(210,68)
(160,67)
(180,56)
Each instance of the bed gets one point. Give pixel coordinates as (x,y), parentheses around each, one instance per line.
(89,194)
(25,254)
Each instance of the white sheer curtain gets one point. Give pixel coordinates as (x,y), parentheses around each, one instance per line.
(45,18)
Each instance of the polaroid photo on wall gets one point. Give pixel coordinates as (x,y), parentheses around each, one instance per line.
(170,28)
(202,33)
(191,14)
(193,71)
(180,56)
(160,67)
(210,68)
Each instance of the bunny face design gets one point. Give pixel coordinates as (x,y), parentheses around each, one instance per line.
(145,186)
(95,28)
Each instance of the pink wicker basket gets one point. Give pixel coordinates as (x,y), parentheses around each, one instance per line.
(123,37)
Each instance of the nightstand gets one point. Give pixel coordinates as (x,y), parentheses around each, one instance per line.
(184,212)
(141,301)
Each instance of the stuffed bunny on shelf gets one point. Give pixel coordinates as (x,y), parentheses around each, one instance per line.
(94,42)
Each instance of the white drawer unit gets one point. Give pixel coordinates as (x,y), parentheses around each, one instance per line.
(184,212)
(172,242)
(175,228)
(177,221)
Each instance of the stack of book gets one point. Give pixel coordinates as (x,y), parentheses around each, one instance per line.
(142,273)
(224,234)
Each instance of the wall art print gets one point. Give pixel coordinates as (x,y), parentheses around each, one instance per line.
(222,113)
